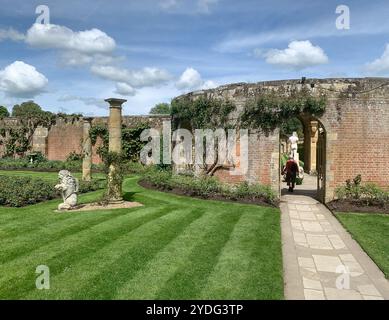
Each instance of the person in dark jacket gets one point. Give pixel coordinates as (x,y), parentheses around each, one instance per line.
(291,170)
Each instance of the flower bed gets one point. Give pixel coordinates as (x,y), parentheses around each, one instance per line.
(208,188)
(23,191)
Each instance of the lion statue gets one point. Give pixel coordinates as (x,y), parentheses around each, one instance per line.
(69,187)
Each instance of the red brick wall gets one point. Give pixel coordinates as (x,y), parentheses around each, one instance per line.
(66,137)
(356,122)
(358,141)
(63,139)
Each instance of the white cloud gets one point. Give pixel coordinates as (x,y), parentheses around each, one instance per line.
(74,58)
(146,77)
(380,65)
(93,48)
(298,55)
(364,22)
(11,34)
(89,101)
(21,80)
(125,89)
(61,37)
(192,80)
(209,84)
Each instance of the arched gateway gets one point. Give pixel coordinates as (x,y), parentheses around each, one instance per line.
(349,138)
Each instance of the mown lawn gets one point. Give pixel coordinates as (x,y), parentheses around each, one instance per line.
(372,233)
(171,248)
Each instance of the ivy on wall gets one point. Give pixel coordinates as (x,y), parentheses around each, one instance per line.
(271,110)
(202,113)
(131,143)
(18,140)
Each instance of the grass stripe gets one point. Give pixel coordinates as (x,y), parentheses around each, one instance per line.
(142,249)
(148,280)
(191,277)
(79,279)
(79,246)
(26,243)
(172,247)
(245,269)
(31,213)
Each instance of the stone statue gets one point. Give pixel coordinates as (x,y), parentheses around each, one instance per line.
(69,187)
(293,139)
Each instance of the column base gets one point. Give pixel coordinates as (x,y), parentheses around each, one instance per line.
(115,201)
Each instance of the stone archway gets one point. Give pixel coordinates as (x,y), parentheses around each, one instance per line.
(314,157)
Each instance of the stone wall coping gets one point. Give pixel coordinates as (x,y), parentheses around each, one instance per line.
(367,83)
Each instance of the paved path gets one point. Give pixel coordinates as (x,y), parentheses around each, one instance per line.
(320,256)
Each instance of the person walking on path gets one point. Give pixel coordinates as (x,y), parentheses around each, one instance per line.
(291,169)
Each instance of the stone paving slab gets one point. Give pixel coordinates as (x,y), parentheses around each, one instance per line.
(321,260)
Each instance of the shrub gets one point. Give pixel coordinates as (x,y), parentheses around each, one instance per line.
(204,187)
(40,164)
(137,168)
(209,187)
(74,156)
(22,191)
(93,185)
(363,194)
(254,191)
(12,164)
(159,178)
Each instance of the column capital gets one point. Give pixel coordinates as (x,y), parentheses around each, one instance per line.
(115,103)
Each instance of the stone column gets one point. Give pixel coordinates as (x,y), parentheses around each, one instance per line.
(115,146)
(86,150)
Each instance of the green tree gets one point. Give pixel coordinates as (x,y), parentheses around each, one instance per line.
(27,109)
(3,112)
(291,125)
(161,108)
(30,115)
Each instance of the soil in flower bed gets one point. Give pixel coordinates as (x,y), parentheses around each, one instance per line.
(180,192)
(350,206)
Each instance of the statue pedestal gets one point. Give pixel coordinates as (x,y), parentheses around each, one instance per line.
(297,158)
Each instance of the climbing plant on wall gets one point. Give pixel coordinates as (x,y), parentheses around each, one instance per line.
(202,113)
(17,142)
(271,110)
(131,143)
(18,139)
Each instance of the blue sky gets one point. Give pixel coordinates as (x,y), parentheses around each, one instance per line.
(153,50)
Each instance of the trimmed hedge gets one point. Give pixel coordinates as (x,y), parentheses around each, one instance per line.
(23,191)
(45,165)
(209,187)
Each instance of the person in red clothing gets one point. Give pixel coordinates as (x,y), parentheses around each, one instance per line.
(291,169)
